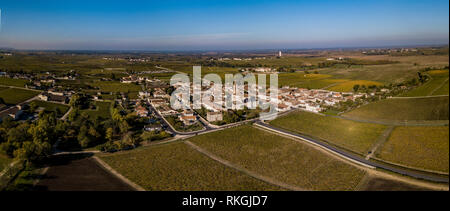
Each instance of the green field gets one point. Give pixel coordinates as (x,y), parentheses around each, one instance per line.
(176,166)
(15,96)
(280,158)
(400,110)
(420,147)
(348,86)
(52,106)
(101,111)
(162,76)
(111,86)
(321,84)
(298,79)
(354,136)
(437,85)
(443,90)
(12,82)
(389,73)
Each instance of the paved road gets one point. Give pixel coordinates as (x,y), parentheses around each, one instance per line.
(344,154)
(357,159)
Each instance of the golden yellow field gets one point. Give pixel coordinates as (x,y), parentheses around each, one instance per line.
(420,147)
(348,86)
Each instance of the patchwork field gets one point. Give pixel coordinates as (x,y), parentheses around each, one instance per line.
(15,96)
(12,82)
(388,73)
(109,86)
(355,136)
(437,85)
(348,86)
(443,90)
(420,147)
(321,84)
(400,110)
(52,106)
(176,166)
(280,158)
(297,79)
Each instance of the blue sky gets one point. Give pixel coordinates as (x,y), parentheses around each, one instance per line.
(221,25)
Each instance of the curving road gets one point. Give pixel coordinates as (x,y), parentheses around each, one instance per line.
(339,152)
(355,158)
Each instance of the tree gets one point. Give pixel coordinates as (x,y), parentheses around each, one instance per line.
(356,88)
(83,138)
(124,127)
(32,151)
(109,134)
(33,106)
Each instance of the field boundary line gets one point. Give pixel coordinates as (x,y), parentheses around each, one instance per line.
(117,174)
(440,86)
(410,167)
(317,145)
(382,139)
(418,97)
(394,123)
(243,170)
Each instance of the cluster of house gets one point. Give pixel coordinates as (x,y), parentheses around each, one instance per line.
(288,98)
(137,79)
(57,97)
(14,112)
(37,82)
(25,76)
(309,100)
(258,69)
(395,50)
(239,59)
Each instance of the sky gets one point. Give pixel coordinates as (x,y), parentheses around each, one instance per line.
(221,25)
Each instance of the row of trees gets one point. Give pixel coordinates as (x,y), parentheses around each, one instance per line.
(30,141)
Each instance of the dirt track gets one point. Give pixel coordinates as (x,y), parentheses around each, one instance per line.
(79,173)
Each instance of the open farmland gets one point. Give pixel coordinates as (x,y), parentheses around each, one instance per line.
(406,69)
(280,158)
(348,86)
(374,183)
(12,82)
(320,84)
(298,79)
(443,90)
(76,173)
(354,136)
(401,110)
(176,166)
(281,62)
(109,86)
(435,86)
(15,96)
(419,147)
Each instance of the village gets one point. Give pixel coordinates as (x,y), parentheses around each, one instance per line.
(153,102)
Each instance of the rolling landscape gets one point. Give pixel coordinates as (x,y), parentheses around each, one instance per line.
(94,112)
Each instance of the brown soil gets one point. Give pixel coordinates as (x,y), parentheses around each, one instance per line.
(379,184)
(79,173)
